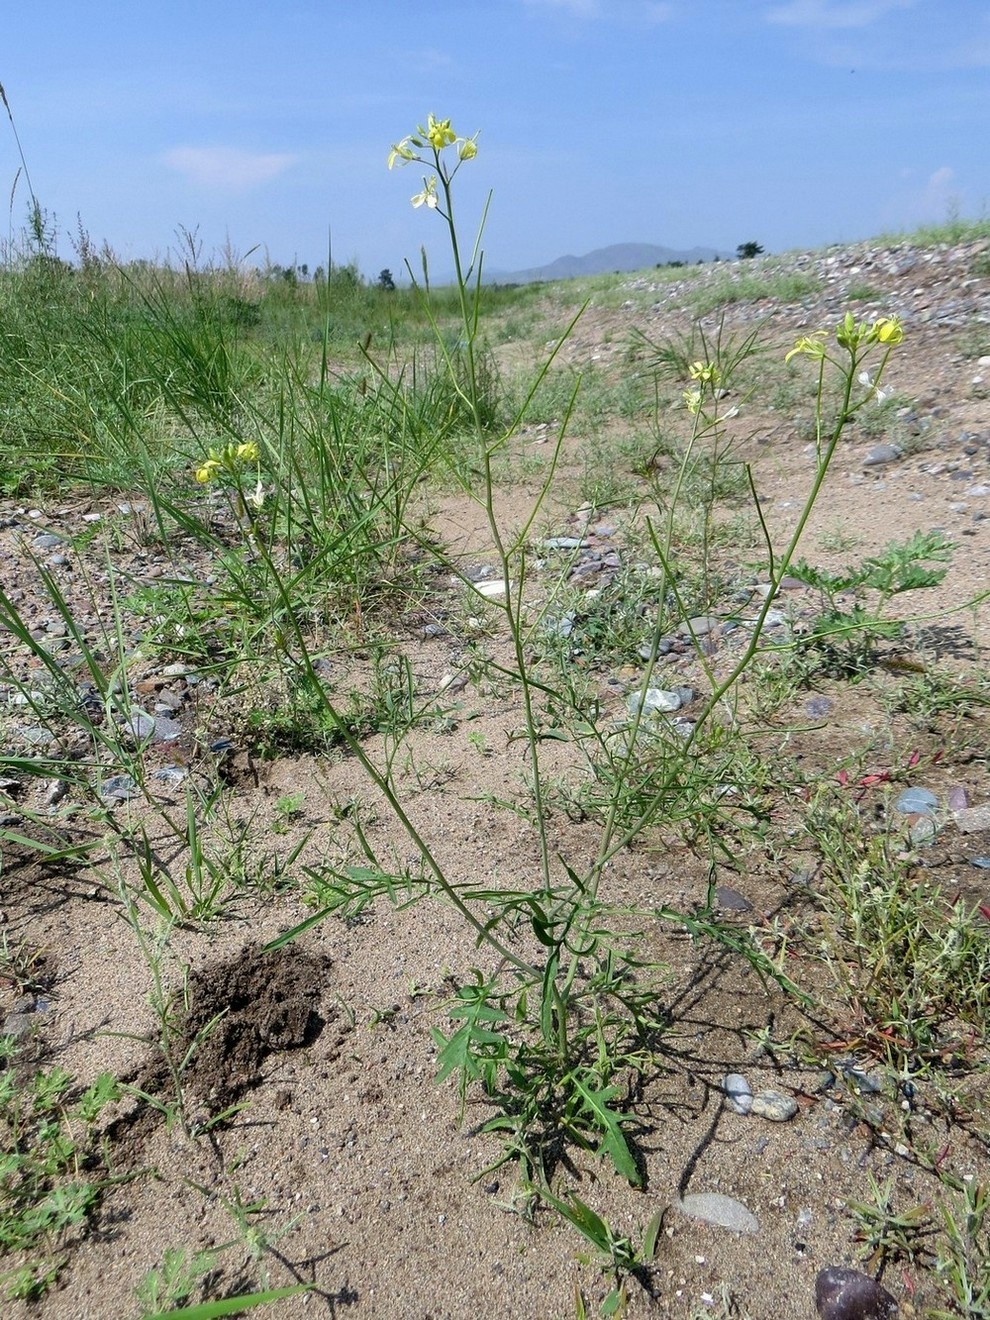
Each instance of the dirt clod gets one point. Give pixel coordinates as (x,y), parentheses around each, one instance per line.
(241,1011)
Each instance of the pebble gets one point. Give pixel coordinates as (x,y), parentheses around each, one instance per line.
(864,1082)
(118,788)
(844,1294)
(916,802)
(818,707)
(970,820)
(721,1211)
(493,590)
(562,627)
(881,454)
(699,626)
(159,728)
(654,701)
(564,543)
(773,1106)
(957,798)
(732,901)
(738,1093)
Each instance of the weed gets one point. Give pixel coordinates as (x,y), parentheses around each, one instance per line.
(963,1263)
(49,1166)
(888,1236)
(620,1257)
(846,634)
(288,808)
(911,966)
(174,1281)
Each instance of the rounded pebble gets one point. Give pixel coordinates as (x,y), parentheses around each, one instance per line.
(738,1093)
(721,1211)
(844,1294)
(773,1106)
(916,801)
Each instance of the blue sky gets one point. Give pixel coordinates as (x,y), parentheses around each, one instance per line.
(678,122)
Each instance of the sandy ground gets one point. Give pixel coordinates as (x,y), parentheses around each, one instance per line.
(369,1181)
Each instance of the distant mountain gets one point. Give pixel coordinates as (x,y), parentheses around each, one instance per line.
(617,257)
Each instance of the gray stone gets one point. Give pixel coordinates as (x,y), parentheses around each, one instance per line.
(881,454)
(773,1106)
(818,707)
(118,788)
(731,900)
(564,543)
(738,1093)
(718,1210)
(973,819)
(139,724)
(699,626)
(654,701)
(864,1082)
(916,802)
(166,730)
(18,1025)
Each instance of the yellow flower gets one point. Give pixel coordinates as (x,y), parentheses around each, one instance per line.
(705,372)
(402,152)
(207,471)
(439,133)
(888,330)
(467,148)
(812,345)
(246,453)
(428,197)
(692,401)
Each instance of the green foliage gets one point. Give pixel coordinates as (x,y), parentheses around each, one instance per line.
(620,1257)
(846,633)
(912,964)
(48,1145)
(963,1263)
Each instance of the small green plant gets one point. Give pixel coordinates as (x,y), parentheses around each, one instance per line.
(50,1169)
(911,965)
(847,631)
(963,1263)
(885,1234)
(253,1237)
(290,805)
(620,1257)
(181,1272)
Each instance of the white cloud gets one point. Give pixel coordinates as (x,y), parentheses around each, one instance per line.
(829,14)
(227,168)
(937,197)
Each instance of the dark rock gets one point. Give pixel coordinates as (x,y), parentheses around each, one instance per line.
(731,900)
(843,1294)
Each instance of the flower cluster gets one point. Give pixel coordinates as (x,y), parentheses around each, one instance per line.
(704,374)
(852,335)
(229,459)
(434,138)
(232,459)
